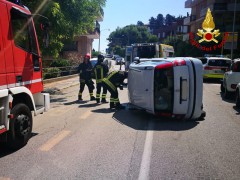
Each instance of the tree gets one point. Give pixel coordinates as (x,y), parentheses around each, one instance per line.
(152,23)
(160,20)
(169,19)
(140,23)
(122,37)
(68,18)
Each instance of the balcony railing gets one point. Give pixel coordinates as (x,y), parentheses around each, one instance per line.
(203,12)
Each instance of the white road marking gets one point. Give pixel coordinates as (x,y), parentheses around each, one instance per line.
(147,153)
(54,141)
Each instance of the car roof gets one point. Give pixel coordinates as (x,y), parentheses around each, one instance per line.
(236,60)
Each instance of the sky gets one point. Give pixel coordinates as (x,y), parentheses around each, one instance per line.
(120,13)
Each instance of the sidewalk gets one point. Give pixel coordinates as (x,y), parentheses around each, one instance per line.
(59,85)
(53,87)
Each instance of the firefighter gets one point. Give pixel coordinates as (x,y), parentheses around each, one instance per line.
(101,71)
(112,82)
(85,70)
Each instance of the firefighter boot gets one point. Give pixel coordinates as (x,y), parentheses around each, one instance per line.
(119,106)
(98,100)
(80,98)
(92,98)
(112,105)
(104,100)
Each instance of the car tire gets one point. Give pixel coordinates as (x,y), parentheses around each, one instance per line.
(222,88)
(20,127)
(237,99)
(226,93)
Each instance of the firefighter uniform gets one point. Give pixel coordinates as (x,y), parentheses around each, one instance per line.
(85,70)
(101,71)
(112,82)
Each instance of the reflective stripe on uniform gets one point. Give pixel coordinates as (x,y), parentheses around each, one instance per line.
(104,95)
(111,99)
(109,84)
(97,96)
(79,93)
(116,100)
(82,80)
(99,80)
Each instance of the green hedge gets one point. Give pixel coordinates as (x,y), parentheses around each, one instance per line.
(60,63)
(51,73)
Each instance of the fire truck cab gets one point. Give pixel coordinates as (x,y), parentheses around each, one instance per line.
(21,81)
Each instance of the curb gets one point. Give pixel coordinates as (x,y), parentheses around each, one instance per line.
(59,79)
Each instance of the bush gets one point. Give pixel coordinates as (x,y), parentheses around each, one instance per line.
(51,73)
(60,63)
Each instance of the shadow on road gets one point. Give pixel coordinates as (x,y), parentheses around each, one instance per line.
(5,151)
(53,100)
(212,81)
(236,109)
(75,102)
(139,120)
(103,110)
(231,98)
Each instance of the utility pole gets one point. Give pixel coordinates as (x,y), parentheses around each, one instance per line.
(100,38)
(233,31)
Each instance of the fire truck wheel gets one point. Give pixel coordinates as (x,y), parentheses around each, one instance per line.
(20,126)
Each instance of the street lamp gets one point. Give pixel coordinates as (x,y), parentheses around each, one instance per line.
(100,38)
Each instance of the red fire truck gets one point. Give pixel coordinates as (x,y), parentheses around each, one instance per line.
(21,81)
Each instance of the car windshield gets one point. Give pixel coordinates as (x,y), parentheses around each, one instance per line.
(219,62)
(93,62)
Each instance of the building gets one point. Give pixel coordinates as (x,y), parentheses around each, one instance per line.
(173,30)
(222,12)
(82,44)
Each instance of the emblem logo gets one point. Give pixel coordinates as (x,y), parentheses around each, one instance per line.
(208,26)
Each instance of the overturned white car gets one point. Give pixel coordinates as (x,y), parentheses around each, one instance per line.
(171,87)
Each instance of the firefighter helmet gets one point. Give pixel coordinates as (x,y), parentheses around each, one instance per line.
(87,56)
(100,58)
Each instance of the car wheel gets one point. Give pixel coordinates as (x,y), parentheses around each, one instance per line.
(237,99)
(20,129)
(222,88)
(226,93)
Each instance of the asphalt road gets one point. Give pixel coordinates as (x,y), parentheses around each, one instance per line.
(84,140)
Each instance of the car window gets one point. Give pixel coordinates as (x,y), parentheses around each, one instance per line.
(219,62)
(204,60)
(93,62)
(236,67)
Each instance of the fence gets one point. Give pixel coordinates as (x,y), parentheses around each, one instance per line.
(53,72)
